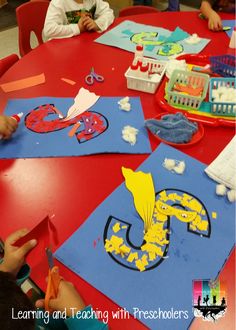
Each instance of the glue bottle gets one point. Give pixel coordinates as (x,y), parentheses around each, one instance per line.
(138,52)
(232,43)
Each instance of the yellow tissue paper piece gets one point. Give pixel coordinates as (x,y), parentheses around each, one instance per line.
(116,227)
(214,215)
(141,186)
(163,196)
(140,265)
(124,227)
(132,257)
(144,260)
(113,245)
(125,249)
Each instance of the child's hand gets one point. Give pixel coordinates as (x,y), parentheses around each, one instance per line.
(8,126)
(81,24)
(68,298)
(89,24)
(14,257)
(214,22)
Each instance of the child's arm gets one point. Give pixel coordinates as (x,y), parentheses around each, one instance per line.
(103,15)
(8,126)
(56,26)
(214,20)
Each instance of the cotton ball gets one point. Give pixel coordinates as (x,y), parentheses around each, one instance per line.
(125,106)
(124,100)
(173,64)
(231,194)
(220,189)
(179,169)
(129,134)
(169,164)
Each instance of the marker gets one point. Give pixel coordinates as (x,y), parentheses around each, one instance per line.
(226,28)
(17,117)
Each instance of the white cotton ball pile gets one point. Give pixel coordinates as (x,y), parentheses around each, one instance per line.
(231,194)
(224,94)
(193,39)
(129,134)
(173,64)
(174,165)
(124,104)
(221,190)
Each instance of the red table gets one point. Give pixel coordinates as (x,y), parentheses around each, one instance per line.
(71,188)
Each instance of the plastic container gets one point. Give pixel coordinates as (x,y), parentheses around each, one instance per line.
(224,65)
(183,100)
(147,85)
(226,109)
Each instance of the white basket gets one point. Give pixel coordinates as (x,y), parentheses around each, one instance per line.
(146,85)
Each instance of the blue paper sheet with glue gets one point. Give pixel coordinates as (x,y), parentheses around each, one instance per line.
(46,131)
(150,272)
(158,43)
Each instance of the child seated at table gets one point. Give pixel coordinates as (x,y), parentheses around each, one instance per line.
(8,126)
(209,9)
(68,18)
(18,312)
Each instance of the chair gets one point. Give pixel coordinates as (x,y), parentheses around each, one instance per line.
(137,10)
(7,62)
(30,18)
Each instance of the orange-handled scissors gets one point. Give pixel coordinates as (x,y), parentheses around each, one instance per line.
(54,280)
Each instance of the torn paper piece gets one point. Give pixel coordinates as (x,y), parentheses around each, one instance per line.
(82,102)
(68,81)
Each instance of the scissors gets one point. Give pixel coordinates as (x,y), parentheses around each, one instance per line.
(89,79)
(54,280)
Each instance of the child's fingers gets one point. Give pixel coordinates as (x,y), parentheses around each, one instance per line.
(24,249)
(40,303)
(11,239)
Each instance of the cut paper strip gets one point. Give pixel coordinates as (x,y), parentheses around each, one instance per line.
(43,133)
(68,81)
(82,102)
(177,35)
(166,288)
(155,40)
(23,83)
(141,187)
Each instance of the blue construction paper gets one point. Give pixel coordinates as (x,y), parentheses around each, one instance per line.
(122,35)
(28,144)
(177,35)
(168,287)
(231,23)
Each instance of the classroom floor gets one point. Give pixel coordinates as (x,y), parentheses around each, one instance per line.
(9,37)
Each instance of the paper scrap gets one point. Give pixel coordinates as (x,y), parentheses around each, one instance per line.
(68,81)
(23,83)
(82,102)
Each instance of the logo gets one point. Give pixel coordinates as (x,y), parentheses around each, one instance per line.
(209,299)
